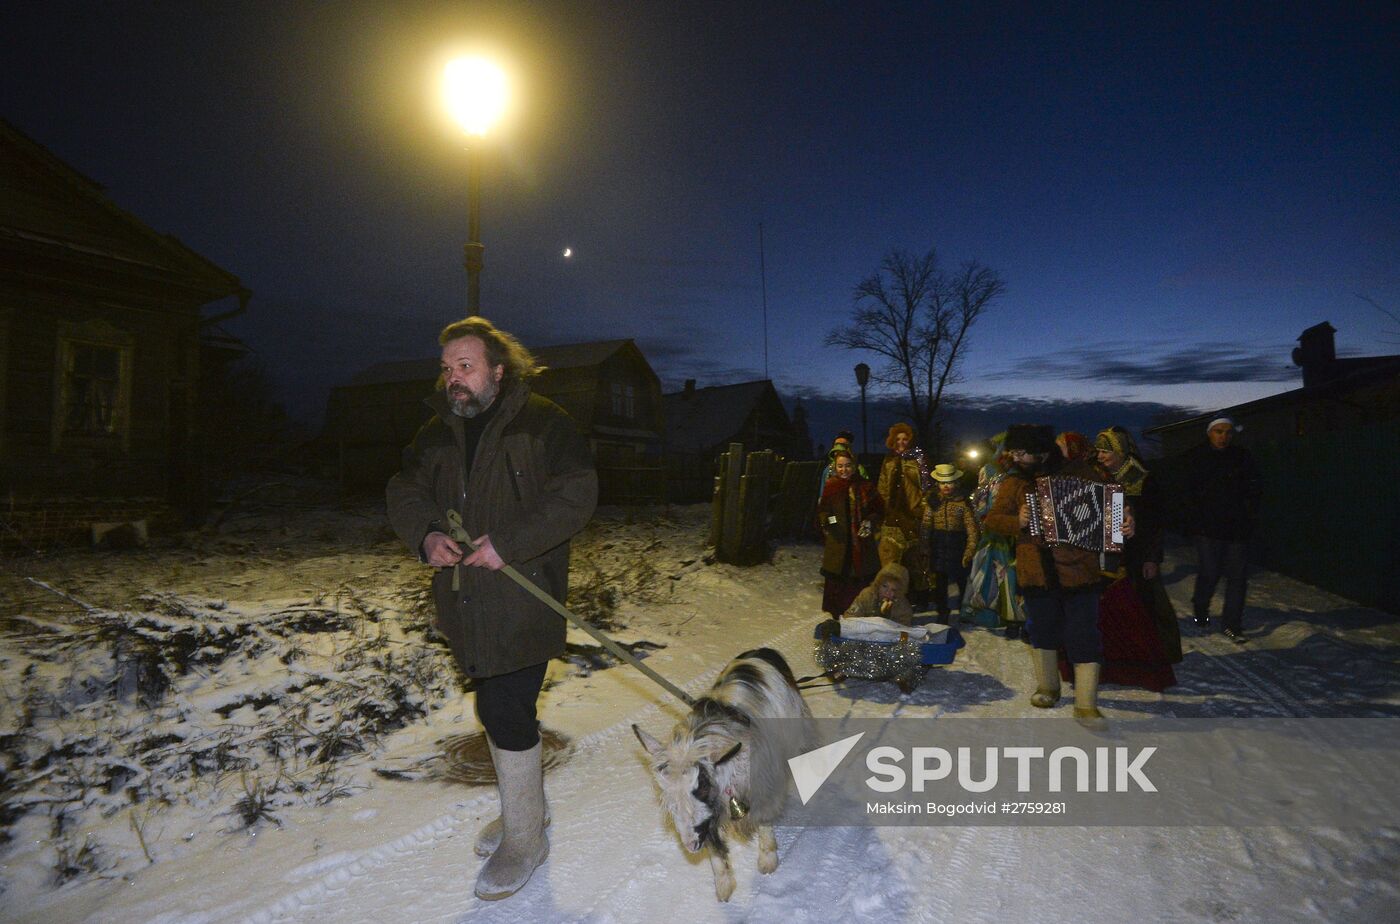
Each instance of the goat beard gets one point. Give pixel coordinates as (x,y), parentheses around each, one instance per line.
(708,832)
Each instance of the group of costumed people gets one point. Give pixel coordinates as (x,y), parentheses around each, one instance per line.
(907,537)
(912,523)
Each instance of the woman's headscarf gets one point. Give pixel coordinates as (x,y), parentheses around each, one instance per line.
(1131,474)
(1074,446)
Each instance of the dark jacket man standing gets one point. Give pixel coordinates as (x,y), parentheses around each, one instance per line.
(1222,507)
(513,466)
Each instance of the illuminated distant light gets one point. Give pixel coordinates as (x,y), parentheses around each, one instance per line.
(476,93)
(568,252)
(972,453)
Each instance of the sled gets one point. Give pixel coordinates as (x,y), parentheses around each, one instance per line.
(903,662)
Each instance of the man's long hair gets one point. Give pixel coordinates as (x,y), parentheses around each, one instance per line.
(501,348)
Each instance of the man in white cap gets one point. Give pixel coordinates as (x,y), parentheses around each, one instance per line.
(1222,508)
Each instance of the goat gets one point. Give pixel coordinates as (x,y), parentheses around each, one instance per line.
(709,784)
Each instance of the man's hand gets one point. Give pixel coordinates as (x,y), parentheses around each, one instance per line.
(1149,570)
(485,556)
(1129,524)
(440,550)
(1023,516)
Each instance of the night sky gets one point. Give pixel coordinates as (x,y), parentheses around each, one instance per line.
(1171,192)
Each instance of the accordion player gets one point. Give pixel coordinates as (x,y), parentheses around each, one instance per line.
(1065,510)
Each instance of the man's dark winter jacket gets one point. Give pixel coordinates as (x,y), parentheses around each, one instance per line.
(532,487)
(1222,492)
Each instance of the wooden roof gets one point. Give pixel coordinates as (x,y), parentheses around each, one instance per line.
(705,417)
(564,356)
(51,213)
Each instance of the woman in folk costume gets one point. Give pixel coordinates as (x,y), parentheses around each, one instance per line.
(951,533)
(990,597)
(902,486)
(1141,640)
(1061,583)
(847,516)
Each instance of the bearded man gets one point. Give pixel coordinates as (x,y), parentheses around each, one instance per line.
(515,469)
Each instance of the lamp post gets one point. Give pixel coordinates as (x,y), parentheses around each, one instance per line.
(863,376)
(476,96)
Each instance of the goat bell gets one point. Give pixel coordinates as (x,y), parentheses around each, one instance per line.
(738,808)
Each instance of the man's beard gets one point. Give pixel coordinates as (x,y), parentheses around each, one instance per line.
(467,403)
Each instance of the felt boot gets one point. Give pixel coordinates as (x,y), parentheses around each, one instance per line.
(1047,677)
(523,845)
(489,837)
(1086,696)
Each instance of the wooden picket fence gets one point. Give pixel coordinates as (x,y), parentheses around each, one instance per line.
(757,497)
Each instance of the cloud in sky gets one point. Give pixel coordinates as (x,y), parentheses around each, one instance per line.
(1188,364)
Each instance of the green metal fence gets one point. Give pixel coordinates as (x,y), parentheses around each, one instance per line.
(1330,512)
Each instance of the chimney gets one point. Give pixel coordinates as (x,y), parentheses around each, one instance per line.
(689,388)
(1316,354)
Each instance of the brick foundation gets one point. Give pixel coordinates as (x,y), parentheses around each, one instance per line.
(37,526)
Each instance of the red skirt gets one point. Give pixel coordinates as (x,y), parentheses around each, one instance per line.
(1133,653)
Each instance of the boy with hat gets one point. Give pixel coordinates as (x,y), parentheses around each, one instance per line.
(950,534)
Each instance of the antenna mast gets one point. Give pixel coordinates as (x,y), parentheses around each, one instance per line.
(763,282)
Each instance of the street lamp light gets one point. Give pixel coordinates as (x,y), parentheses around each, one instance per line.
(863,376)
(476,94)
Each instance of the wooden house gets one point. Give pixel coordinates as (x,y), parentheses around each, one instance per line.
(608,387)
(702,422)
(1329,504)
(100,350)
(1337,394)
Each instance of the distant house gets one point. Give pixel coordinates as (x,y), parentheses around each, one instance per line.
(1330,505)
(608,387)
(1337,394)
(702,422)
(100,351)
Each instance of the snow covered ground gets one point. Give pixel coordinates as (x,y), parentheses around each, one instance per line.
(399,849)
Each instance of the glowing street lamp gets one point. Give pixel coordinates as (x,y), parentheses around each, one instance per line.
(477,94)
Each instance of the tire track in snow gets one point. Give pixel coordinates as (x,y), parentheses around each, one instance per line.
(606,809)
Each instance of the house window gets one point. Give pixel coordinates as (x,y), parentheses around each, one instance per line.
(93,386)
(91,390)
(623,402)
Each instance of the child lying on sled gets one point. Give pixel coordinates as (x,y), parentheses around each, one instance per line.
(886,596)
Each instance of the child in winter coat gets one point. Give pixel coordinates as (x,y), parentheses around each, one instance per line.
(887,596)
(951,533)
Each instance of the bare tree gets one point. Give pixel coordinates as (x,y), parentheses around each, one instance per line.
(917,316)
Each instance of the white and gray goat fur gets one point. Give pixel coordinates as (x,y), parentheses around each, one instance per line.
(708,762)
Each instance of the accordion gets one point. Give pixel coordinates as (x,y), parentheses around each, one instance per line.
(1077,512)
